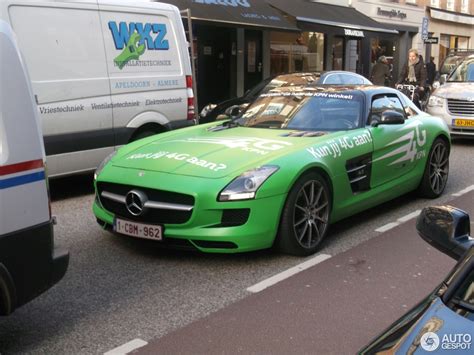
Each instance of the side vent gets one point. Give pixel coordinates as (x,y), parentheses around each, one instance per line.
(358,172)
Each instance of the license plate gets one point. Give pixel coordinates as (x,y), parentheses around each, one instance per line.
(138,230)
(459,122)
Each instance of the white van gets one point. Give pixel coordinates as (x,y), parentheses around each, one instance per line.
(104,73)
(29,263)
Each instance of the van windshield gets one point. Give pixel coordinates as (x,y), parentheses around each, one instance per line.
(464,72)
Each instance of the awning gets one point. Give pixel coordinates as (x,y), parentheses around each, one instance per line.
(446,15)
(350,21)
(254,13)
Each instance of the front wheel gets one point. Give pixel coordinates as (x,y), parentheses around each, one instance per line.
(436,172)
(305,217)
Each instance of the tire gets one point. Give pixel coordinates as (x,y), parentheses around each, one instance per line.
(305,217)
(142,134)
(436,171)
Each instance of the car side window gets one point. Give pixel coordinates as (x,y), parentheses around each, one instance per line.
(382,103)
(410,108)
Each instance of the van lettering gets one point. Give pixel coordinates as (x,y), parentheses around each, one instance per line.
(121,34)
(160,41)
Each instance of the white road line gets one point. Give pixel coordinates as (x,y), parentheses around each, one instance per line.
(127,348)
(387,227)
(288,273)
(409,216)
(465,191)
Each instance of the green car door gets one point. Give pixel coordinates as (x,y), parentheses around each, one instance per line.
(397,146)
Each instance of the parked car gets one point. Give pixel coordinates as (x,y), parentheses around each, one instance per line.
(444,319)
(211,112)
(454,101)
(298,159)
(450,62)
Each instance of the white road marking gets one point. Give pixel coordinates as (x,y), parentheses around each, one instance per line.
(127,347)
(288,273)
(465,191)
(387,227)
(409,216)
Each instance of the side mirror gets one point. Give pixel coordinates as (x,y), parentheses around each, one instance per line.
(446,228)
(442,79)
(389,117)
(233,111)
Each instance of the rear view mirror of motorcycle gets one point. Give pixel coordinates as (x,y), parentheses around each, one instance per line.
(447,228)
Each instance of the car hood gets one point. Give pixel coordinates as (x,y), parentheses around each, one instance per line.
(459,91)
(213,154)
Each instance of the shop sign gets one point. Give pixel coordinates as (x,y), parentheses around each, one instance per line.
(391,13)
(431,40)
(353,33)
(424,28)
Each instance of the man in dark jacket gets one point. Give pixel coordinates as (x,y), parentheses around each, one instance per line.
(431,71)
(414,73)
(380,71)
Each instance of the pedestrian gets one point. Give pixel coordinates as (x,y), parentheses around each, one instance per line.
(380,71)
(430,71)
(414,73)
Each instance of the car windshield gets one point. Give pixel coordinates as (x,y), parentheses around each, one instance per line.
(305,111)
(449,64)
(464,72)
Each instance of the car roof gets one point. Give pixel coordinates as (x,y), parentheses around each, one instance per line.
(365,89)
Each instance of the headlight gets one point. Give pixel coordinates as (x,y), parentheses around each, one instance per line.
(208,108)
(104,162)
(436,84)
(246,185)
(436,101)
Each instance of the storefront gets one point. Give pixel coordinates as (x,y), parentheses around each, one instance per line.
(405,18)
(332,38)
(231,41)
(454,31)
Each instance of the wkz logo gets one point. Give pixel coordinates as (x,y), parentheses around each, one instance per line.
(150,34)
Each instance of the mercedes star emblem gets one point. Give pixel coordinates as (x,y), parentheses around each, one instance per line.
(135,202)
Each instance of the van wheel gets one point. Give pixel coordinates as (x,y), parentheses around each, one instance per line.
(305,217)
(145,132)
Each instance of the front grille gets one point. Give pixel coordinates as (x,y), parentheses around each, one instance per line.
(151,215)
(461,107)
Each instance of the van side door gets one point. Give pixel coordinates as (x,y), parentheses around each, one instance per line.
(64,52)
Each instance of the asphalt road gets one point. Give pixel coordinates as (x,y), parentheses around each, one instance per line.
(118,289)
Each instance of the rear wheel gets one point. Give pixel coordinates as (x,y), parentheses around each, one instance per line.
(436,172)
(305,218)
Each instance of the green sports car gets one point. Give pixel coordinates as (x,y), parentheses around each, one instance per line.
(297,160)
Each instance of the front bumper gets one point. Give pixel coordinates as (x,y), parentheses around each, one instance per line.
(448,117)
(207,230)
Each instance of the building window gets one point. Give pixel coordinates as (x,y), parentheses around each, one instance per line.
(300,53)
(465,6)
(450,5)
(435,3)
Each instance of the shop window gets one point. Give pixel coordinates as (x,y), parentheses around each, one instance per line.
(301,53)
(435,3)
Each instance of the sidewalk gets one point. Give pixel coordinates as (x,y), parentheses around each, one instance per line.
(335,307)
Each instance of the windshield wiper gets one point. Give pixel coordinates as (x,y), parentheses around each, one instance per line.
(226,125)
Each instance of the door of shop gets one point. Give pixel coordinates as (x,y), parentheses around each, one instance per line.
(253,59)
(214,64)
